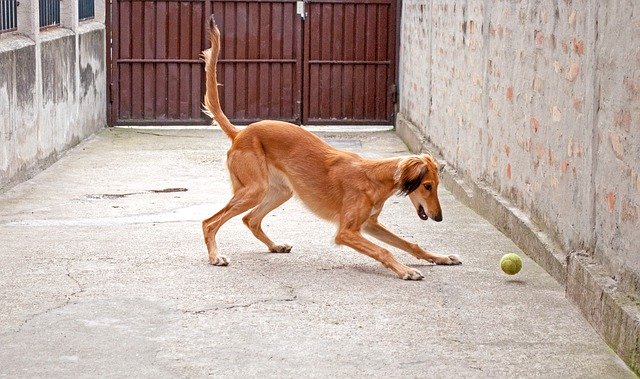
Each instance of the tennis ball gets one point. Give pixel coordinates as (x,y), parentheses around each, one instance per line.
(511,263)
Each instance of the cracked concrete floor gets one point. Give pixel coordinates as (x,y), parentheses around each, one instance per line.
(103,272)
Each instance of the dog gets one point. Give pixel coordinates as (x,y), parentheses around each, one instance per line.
(270,161)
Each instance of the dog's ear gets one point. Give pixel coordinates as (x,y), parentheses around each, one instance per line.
(409,175)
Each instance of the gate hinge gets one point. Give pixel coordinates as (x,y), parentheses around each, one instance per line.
(111,92)
(394,93)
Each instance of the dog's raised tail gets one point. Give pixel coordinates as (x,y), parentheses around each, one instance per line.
(211,99)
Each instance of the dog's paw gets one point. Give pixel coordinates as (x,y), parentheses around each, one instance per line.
(281,249)
(220,260)
(454,259)
(413,274)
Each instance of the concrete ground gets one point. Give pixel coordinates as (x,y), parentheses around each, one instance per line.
(103,272)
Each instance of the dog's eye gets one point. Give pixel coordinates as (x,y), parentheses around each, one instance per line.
(428,187)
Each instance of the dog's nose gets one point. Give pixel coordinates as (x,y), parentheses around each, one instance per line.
(438,218)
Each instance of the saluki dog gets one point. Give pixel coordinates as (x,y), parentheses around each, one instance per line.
(269,161)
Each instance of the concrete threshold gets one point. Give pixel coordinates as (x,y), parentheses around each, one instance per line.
(312,128)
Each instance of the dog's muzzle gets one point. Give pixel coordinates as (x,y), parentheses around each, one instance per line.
(423,215)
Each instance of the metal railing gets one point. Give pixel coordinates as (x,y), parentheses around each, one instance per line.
(86,9)
(49,12)
(8,15)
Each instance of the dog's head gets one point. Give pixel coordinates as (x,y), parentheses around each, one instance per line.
(417,177)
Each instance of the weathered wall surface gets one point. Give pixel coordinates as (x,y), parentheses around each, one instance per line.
(52,95)
(617,147)
(538,100)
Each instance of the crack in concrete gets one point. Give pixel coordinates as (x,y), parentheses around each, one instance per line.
(30,318)
(292,297)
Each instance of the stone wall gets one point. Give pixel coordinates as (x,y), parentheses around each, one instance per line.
(538,101)
(53,91)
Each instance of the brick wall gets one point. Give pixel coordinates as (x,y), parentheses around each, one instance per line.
(541,101)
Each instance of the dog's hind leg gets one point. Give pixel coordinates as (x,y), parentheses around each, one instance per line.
(275,196)
(249,180)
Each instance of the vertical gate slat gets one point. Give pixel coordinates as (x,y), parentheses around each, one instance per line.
(349,55)
(229,46)
(288,74)
(337,55)
(370,55)
(137,51)
(184,48)
(359,70)
(173,50)
(149,72)
(264,29)
(196,69)
(125,52)
(275,86)
(240,49)
(324,102)
(382,95)
(161,68)
(252,53)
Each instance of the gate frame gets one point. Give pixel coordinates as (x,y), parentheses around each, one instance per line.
(112,33)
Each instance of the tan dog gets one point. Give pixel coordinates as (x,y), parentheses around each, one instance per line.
(269,161)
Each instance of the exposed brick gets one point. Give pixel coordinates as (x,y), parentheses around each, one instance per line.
(632,86)
(611,201)
(535,125)
(556,114)
(578,46)
(538,84)
(573,72)
(572,19)
(539,39)
(510,94)
(616,144)
(578,102)
(623,119)
(629,212)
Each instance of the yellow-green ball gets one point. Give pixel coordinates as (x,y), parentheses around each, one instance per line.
(511,263)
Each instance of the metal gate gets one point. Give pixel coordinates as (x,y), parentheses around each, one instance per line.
(312,62)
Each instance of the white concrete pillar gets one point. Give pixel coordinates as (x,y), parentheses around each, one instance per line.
(29,19)
(100,11)
(69,14)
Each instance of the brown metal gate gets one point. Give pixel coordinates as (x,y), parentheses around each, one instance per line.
(336,65)
(350,53)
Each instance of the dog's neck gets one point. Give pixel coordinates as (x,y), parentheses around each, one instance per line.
(384,172)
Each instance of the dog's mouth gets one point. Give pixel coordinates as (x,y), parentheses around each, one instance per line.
(421,213)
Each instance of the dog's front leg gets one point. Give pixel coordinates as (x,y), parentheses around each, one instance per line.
(377,230)
(355,240)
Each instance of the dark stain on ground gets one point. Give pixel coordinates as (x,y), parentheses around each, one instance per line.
(122,195)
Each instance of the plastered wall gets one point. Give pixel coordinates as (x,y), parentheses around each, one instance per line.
(541,101)
(52,92)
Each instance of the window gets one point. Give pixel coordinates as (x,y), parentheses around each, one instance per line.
(49,12)
(86,9)
(8,15)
